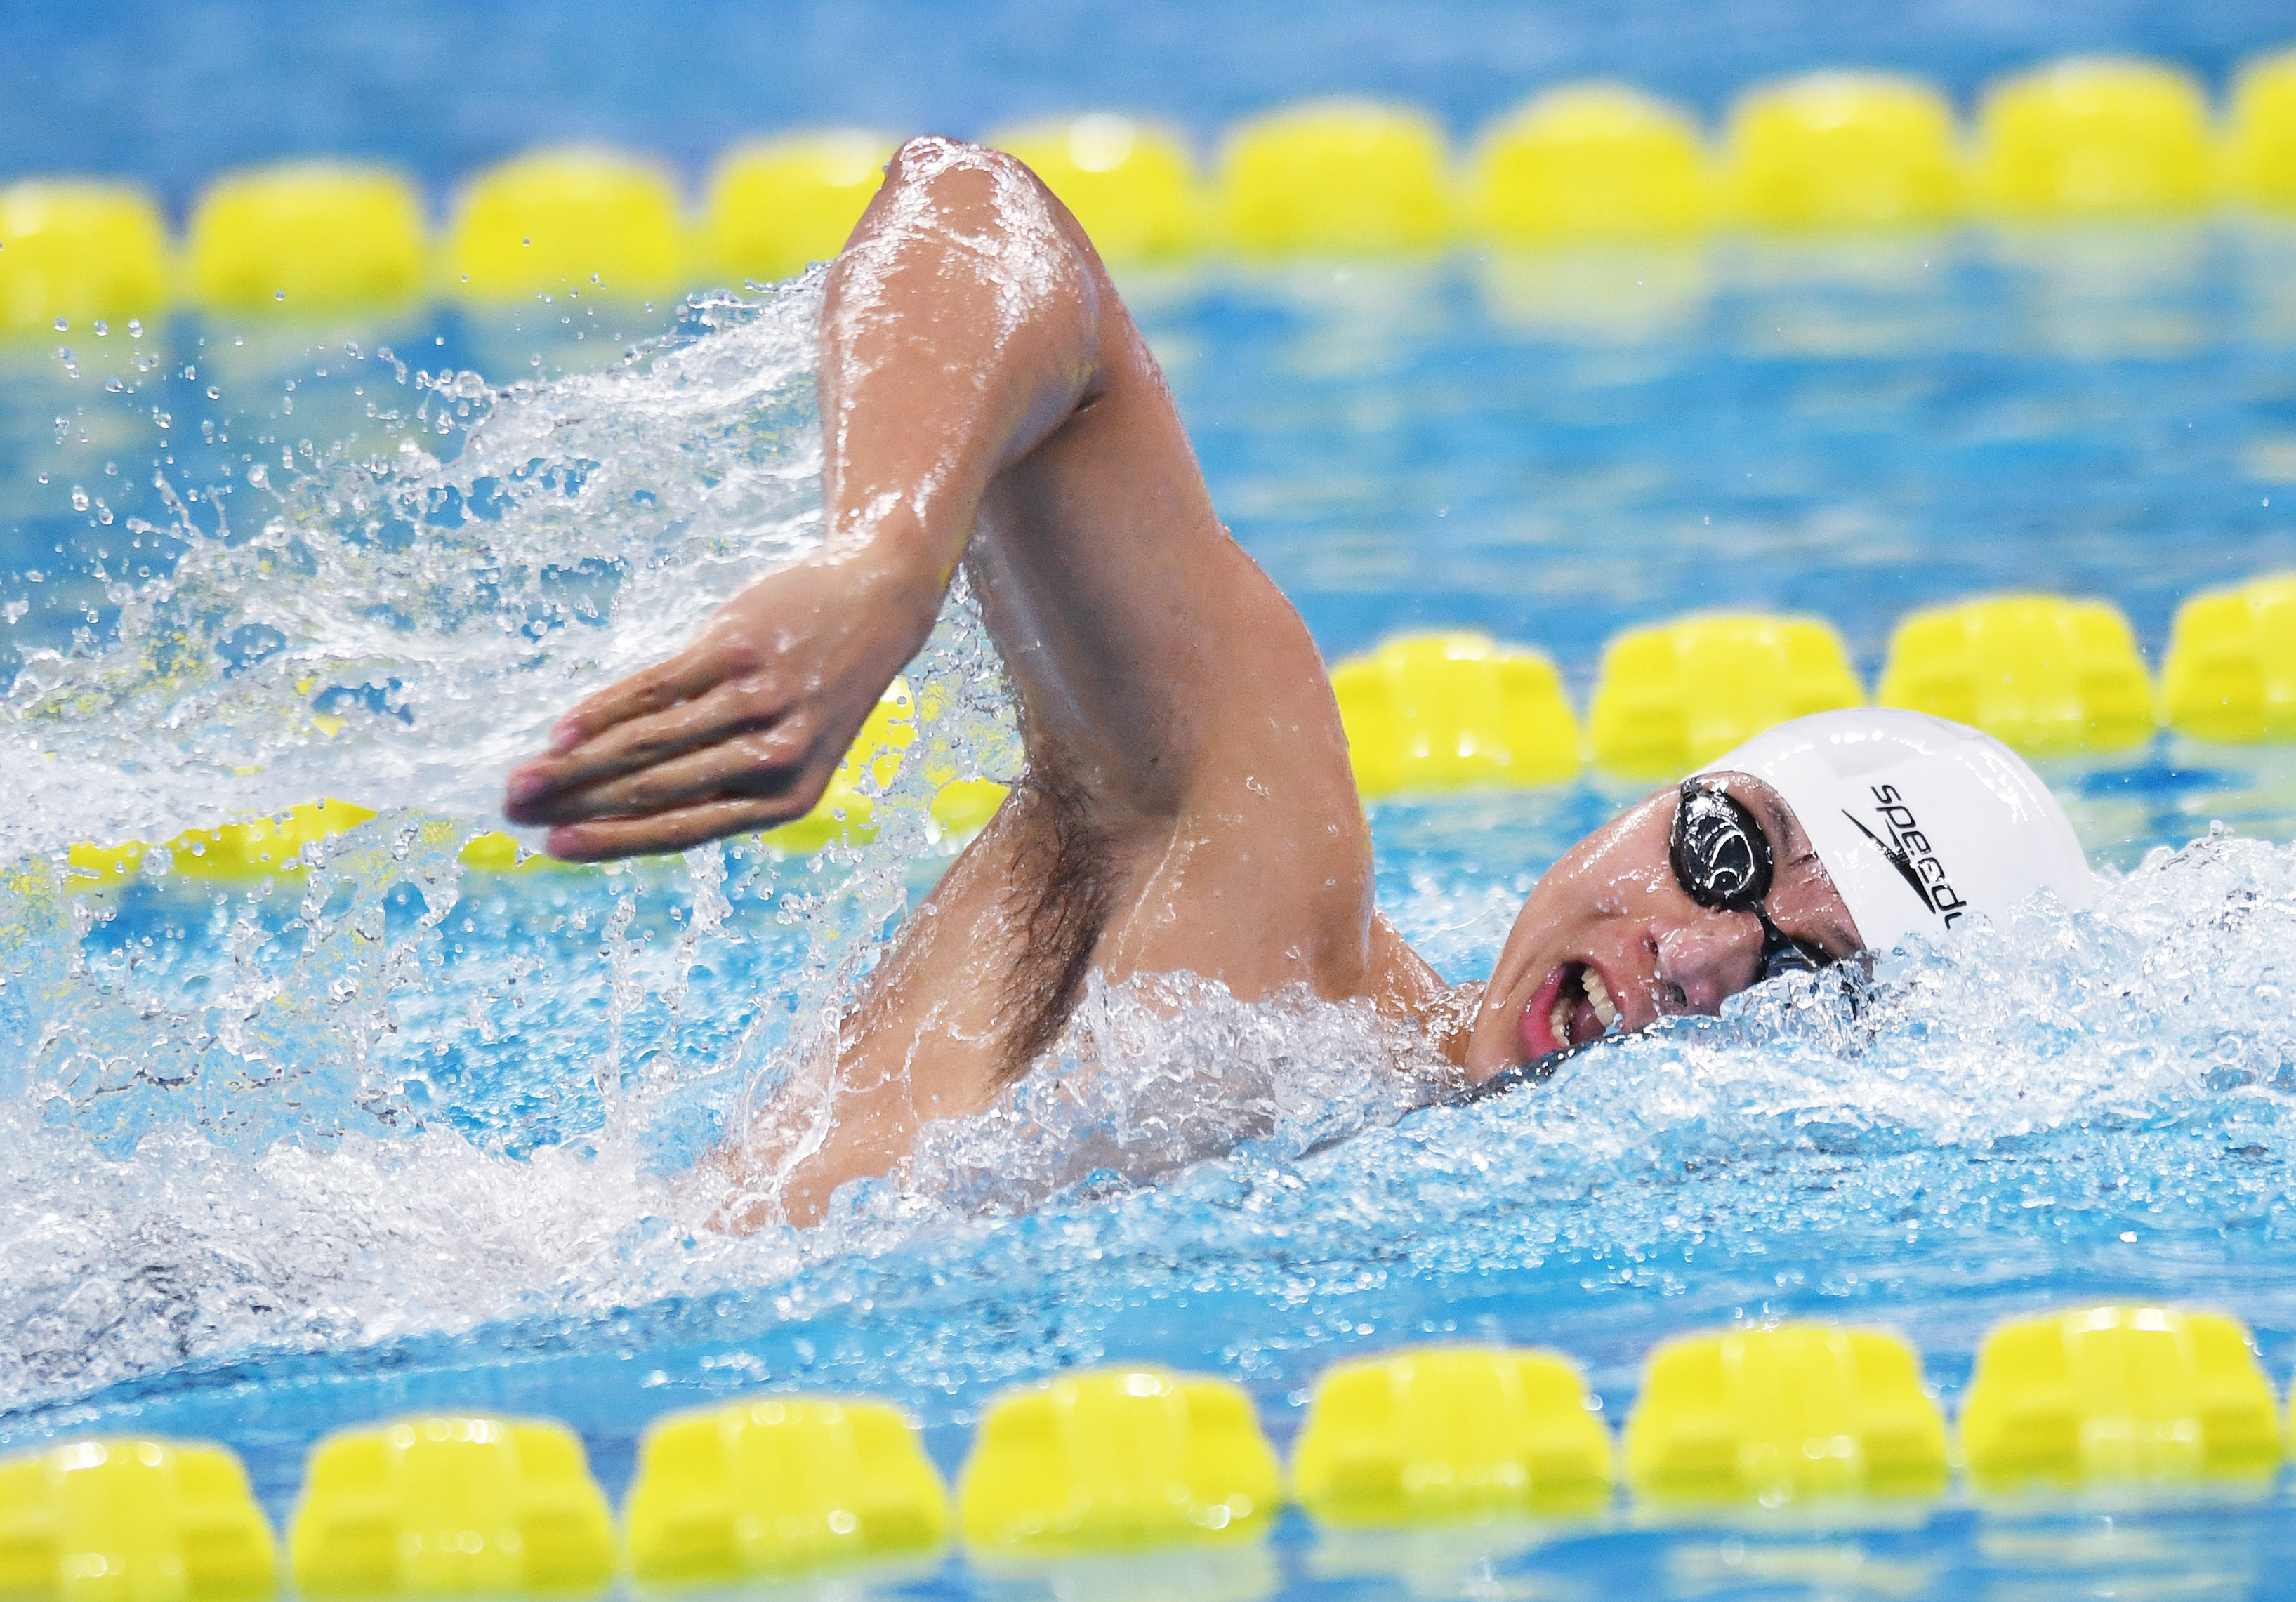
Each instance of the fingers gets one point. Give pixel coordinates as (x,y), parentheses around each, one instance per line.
(603,839)
(643,694)
(770,764)
(536,789)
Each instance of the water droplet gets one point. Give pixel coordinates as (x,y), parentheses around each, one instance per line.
(135,327)
(102,328)
(62,324)
(79,499)
(279,294)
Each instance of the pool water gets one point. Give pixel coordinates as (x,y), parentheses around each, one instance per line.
(392,1133)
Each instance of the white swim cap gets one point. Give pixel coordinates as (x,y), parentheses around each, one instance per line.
(1920,823)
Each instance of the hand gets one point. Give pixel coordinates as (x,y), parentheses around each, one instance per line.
(740,731)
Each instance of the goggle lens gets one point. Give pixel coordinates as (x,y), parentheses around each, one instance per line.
(1722,860)
(1720,853)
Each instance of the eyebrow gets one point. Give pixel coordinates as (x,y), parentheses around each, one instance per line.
(1778,825)
(1781,827)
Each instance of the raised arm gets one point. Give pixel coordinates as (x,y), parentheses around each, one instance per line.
(960,325)
(1186,803)
(983,393)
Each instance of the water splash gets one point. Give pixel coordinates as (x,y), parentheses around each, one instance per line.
(2043,1093)
(396,629)
(401,624)
(1150,1076)
(388,1098)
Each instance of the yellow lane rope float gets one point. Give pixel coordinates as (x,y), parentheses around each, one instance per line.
(2089,138)
(2125,1399)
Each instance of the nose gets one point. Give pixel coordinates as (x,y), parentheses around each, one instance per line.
(1702,963)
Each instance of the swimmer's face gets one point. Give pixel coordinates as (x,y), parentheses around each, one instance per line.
(1609,940)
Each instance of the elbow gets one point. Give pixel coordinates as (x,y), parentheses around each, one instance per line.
(990,200)
(946,196)
(927,158)
(973,183)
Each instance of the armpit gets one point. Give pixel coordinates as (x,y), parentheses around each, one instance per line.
(1060,898)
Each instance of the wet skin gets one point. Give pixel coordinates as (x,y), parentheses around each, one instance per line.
(1188,805)
(1611,905)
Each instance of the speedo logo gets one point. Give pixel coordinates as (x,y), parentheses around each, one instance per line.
(1908,850)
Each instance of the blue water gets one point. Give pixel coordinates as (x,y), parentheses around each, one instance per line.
(285,1156)
(174,91)
(279,1157)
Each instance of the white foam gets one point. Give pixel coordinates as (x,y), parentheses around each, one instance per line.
(470,584)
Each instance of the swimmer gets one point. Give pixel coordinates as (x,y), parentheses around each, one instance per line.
(1186,803)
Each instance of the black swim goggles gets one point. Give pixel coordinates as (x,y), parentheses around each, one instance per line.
(1723,860)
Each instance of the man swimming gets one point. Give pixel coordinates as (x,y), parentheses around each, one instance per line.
(1186,803)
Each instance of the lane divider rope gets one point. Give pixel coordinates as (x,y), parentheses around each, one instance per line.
(2083,138)
(2149,1398)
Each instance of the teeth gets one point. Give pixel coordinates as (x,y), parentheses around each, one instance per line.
(1600,995)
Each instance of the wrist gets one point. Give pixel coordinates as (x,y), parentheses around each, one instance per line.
(897,588)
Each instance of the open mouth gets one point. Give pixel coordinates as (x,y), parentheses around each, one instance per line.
(1572,1007)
